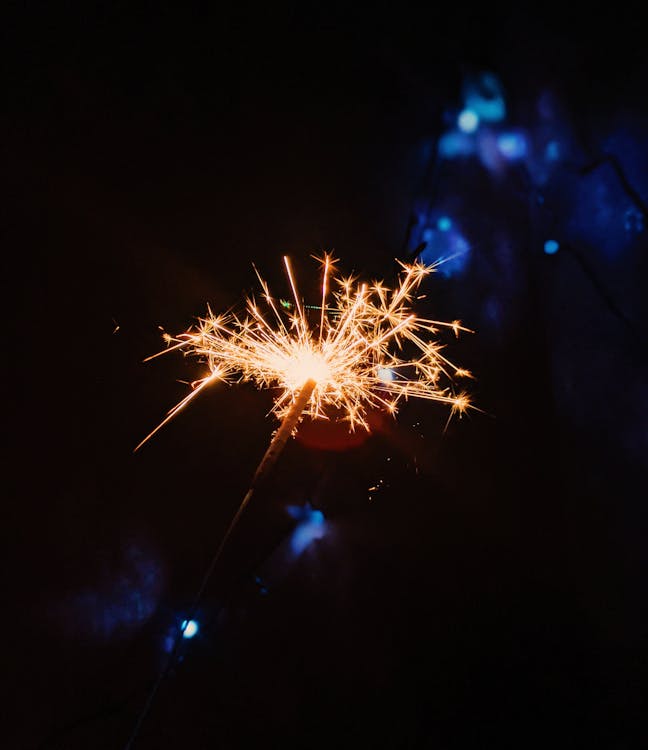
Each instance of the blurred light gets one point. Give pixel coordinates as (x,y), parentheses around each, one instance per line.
(468,121)
(552,151)
(385,374)
(629,146)
(311,526)
(492,311)
(551,247)
(444,223)
(633,220)
(455,143)
(512,145)
(263,590)
(449,250)
(598,203)
(189,628)
(120,604)
(484,95)
(488,152)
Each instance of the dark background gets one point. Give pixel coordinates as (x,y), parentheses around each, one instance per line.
(493,591)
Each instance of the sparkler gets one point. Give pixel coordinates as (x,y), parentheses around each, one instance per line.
(366,349)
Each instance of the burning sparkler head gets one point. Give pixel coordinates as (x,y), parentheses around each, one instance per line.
(303,362)
(363,346)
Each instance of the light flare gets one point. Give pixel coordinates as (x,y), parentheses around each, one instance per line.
(360,332)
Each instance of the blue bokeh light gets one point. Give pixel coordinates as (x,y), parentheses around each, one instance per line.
(468,121)
(633,220)
(484,94)
(311,526)
(551,247)
(119,604)
(189,628)
(448,250)
(599,211)
(512,145)
(444,223)
(455,143)
(552,151)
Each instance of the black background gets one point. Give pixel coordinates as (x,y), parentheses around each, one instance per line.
(493,594)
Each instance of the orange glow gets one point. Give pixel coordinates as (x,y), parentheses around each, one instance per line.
(365,348)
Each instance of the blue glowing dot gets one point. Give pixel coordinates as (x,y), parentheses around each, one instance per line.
(552,151)
(551,247)
(189,628)
(455,143)
(385,374)
(512,145)
(468,121)
(444,223)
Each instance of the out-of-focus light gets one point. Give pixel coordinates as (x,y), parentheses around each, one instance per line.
(455,143)
(468,121)
(123,605)
(552,151)
(385,374)
(633,220)
(484,94)
(311,526)
(444,223)
(448,250)
(189,628)
(512,145)
(492,312)
(551,247)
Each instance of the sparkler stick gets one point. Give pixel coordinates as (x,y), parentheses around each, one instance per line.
(277,444)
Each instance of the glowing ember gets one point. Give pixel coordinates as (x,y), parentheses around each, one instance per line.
(365,348)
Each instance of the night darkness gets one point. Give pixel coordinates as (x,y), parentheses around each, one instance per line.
(483,586)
